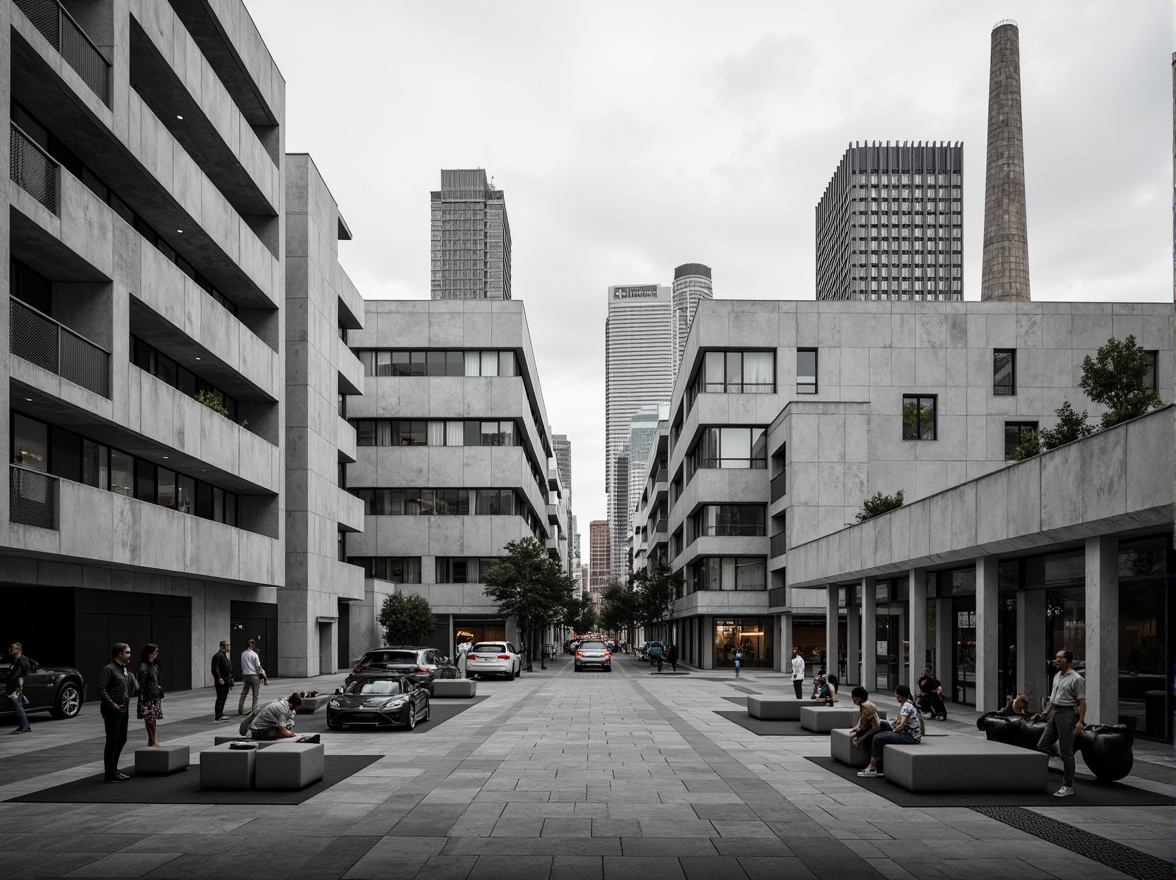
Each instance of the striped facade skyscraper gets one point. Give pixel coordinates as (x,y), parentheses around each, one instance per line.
(470,238)
(692,284)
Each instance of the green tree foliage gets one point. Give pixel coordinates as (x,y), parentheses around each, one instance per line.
(1115,378)
(618,609)
(1070,426)
(528,585)
(879,504)
(655,590)
(407,620)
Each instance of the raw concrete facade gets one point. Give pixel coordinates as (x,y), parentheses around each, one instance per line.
(322,306)
(828,446)
(152,242)
(515,457)
(1005,272)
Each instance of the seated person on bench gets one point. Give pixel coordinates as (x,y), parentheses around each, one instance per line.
(868,721)
(827,695)
(907,730)
(1018,707)
(276,721)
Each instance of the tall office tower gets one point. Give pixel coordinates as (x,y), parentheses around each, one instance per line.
(598,557)
(639,362)
(574,547)
(562,447)
(618,516)
(1005,272)
(642,434)
(470,251)
(692,284)
(890,225)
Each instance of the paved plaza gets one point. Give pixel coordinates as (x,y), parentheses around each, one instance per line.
(557,775)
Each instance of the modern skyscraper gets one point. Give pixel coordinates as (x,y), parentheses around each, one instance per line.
(470,251)
(598,556)
(891,224)
(639,371)
(561,448)
(1005,272)
(692,284)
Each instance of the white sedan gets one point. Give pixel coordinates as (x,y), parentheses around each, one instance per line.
(494,658)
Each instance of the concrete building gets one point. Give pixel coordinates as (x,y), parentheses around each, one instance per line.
(470,249)
(143,352)
(453,459)
(890,225)
(1005,271)
(563,459)
(860,398)
(321,373)
(639,371)
(692,284)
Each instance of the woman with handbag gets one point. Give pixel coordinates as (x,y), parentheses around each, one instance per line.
(150,692)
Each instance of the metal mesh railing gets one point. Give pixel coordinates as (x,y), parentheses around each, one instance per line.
(68,38)
(39,339)
(779,544)
(32,498)
(779,486)
(33,169)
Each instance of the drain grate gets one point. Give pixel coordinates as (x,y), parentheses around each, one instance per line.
(1098,849)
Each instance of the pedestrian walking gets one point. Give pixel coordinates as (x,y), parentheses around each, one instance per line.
(222,677)
(1064,716)
(252,675)
(672,657)
(19,668)
(798,673)
(463,656)
(116,686)
(150,707)
(738,661)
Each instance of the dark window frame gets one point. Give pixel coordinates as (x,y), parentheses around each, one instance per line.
(920,401)
(1004,375)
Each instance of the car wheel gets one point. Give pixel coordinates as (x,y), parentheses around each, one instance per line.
(428,713)
(411,723)
(68,703)
(518,671)
(331,725)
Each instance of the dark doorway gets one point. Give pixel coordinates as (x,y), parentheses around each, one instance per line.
(963,684)
(257,621)
(343,658)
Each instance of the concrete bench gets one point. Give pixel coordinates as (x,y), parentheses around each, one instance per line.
(291,767)
(841,748)
(822,719)
(964,763)
(455,687)
(775,708)
(225,768)
(161,760)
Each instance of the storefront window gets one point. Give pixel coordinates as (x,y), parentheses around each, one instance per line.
(1144,701)
(751,635)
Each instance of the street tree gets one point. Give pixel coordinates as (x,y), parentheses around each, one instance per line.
(527,584)
(655,591)
(1116,378)
(618,610)
(1071,426)
(407,620)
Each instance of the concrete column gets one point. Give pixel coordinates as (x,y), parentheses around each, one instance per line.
(853,644)
(917,590)
(987,638)
(944,645)
(1032,654)
(785,641)
(1102,630)
(869,636)
(831,629)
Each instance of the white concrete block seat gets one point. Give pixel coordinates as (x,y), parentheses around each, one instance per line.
(841,748)
(289,766)
(823,719)
(775,708)
(455,687)
(964,763)
(224,768)
(161,760)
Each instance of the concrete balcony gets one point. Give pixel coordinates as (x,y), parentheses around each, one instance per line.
(349,367)
(39,339)
(350,511)
(345,440)
(107,528)
(69,40)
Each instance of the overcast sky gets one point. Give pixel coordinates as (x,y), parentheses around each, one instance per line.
(632,137)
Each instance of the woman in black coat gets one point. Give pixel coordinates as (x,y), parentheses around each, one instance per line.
(150,693)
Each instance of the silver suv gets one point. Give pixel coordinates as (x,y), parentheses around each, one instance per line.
(421,665)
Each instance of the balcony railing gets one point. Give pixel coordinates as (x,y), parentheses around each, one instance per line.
(779,486)
(32,498)
(32,169)
(779,544)
(42,341)
(67,37)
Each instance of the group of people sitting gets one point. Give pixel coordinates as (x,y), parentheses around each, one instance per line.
(930,695)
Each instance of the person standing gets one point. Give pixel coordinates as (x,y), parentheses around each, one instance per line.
(738,661)
(798,673)
(19,669)
(116,686)
(463,655)
(222,676)
(252,675)
(1064,717)
(150,706)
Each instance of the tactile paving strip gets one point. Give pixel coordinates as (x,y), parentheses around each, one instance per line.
(1098,849)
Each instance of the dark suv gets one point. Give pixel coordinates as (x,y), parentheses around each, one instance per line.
(419,665)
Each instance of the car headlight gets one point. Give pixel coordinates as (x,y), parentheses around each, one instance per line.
(395,703)
(334,704)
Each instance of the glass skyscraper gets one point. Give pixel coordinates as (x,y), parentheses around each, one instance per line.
(470,238)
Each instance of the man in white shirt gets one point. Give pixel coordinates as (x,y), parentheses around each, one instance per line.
(798,673)
(252,676)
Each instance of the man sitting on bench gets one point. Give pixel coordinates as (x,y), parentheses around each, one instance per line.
(907,730)
(868,721)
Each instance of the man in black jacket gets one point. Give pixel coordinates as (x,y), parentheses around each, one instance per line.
(931,695)
(19,669)
(116,686)
(222,675)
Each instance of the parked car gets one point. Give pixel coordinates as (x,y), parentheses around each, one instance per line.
(593,654)
(379,701)
(58,690)
(494,658)
(420,664)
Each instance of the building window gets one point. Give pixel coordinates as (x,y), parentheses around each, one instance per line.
(438,362)
(729,573)
(729,521)
(462,569)
(738,372)
(1004,371)
(1151,377)
(1014,433)
(729,448)
(918,417)
(806,371)
(396,569)
(421,432)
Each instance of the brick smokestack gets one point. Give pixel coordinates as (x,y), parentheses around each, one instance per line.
(1005,275)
